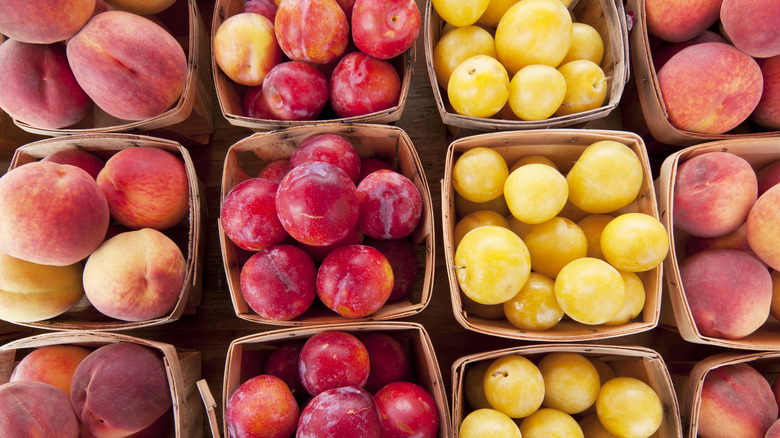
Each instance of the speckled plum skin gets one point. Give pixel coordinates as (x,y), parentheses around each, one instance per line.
(403,259)
(361,84)
(332,359)
(389,360)
(385,29)
(406,410)
(330,148)
(32,408)
(315,31)
(248,215)
(295,90)
(283,363)
(263,406)
(354,408)
(390,205)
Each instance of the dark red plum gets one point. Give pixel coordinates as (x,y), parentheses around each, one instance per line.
(344,412)
(332,359)
(248,215)
(361,84)
(403,259)
(263,406)
(275,170)
(390,205)
(295,90)
(283,363)
(318,253)
(369,165)
(407,410)
(390,362)
(330,148)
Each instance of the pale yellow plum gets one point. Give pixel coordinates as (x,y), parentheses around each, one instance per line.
(536,92)
(486,311)
(774,309)
(590,291)
(514,385)
(479,174)
(492,264)
(572,212)
(529,159)
(605,371)
(458,45)
(535,193)
(495,10)
(245,48)
(520,228)
(533,32)
(635,299)
(475,220)
(586,87)
(571,382)
(628,407)
(607,176)
(586,43)
(478,87)
(592,427)
(593,225)
(488,423)
(535,306)
(474,385)
(460,12)
(550,423)
(634,242)
(553,244)
(463,206)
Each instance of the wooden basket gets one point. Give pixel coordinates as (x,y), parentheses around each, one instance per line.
(563,147)
(606,16)
(230,94)
(627,361)
(650,97)
(247,355)
(189,121)
(689,379)
(758,152)
(182,367)
(370,140)
(189,235)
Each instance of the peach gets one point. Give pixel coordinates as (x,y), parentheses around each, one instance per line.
(710,279)
(774,430)
(736,400)
(88,161)
(51,214)
(146,187)
(135,276)
(736,240)
(767,112)
(245,48)
(39,86)
(141,7)
(713,194)
(44,22)
(36,409)
(768,176)
(751,25)
(315,31)
(120,389)
(33,292)
(710,87)
(666,49)
(676,21)
(52,364)
(130,66)
(763,226)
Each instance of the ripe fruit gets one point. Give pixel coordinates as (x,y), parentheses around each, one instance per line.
(479,174)
(535,193)
(514,386)
(629,407)
(634,242)
(478,86)
(590,291)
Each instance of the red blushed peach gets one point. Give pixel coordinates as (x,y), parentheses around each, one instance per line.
(666,50)
(767,112)
(39,87)
(245,48)
(88,161)
(362,85)
(51,214)
(44,22)
(120,389)
(774,430)
(315,31)
(710,279)
(52,364)
(713,194)
(135,276)
(676,21)
(146,187)
(262,406)
(736,400)
(751,25)
(763,227)
(141,7)
(736,240)
(36,409)
(131,67)
(710,87)
(34,292)
(768,177)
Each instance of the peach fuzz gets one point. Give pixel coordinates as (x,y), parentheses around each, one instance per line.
(146,187)
(736,400)
(135,276)
(51,214)
(245,48)
(39,87)
(713,194)
(44,22)
(52,364)
(89,162)
(32,292)
(32,409)
(763,227)
(675,21)
(315,31)
(144,396)
(751,25)
(710,279)
(710,88)
(130,66)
